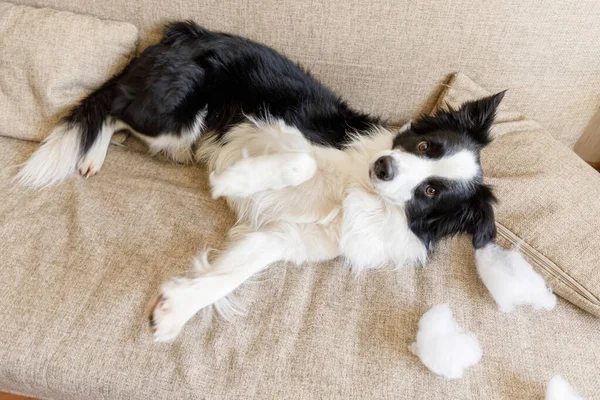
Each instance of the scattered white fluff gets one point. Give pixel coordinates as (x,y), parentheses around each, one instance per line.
(443,346)
(559,389)
(511,280)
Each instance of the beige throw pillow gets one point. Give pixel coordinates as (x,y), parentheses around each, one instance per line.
(49,60)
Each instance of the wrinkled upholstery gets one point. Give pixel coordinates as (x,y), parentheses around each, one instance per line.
(83,261)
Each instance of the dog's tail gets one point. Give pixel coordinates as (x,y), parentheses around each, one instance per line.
(79,141)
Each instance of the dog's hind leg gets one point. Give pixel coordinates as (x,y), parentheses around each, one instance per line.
(79,142)
(92,160)
(258,156)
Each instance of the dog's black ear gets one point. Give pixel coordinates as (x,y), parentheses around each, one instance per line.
(482,221)
(475,216)
(475,118)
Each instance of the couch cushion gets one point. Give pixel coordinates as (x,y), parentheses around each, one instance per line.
(548,199)
(81,263)
(50,60)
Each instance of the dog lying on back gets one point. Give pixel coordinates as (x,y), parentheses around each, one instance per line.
(309,178)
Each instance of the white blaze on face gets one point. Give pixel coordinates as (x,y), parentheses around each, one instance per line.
(412,170)
(462,166)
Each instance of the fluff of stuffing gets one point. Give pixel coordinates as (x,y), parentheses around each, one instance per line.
(443,346)
(511,280)
(559,389)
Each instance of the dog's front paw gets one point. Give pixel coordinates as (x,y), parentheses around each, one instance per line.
(269,172)
(298,168)
(164,320)
(171,311)
(228,183)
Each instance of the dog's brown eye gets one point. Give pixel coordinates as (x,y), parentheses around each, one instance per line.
(430,191)
(423,146)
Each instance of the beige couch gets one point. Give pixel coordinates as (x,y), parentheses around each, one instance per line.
(82,262)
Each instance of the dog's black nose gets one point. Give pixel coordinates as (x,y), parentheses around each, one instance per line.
(384,168)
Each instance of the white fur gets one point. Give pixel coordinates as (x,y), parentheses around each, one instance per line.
(374,233)
(247,253)
(510,279)
(270,172)
(559,389)
(300,202)
(54,161)
(297,202)
(411,170)
(178,147)
(313,201)
(443,346)
(92,161)
(60,155)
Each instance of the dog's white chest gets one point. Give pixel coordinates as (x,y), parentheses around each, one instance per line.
(372,235)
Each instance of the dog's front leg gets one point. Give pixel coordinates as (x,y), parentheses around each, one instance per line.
(246,253)
(269,172)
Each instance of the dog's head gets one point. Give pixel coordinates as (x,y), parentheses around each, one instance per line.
(433,171)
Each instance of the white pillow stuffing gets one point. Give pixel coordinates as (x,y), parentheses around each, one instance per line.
(443,346)
(559,389)
(510,279)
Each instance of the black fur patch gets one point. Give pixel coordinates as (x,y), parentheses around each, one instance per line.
(473,119)
(466,209)
(441,143)
(193,69)
(92,111)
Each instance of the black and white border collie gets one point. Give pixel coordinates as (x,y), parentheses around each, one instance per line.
(309,178)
